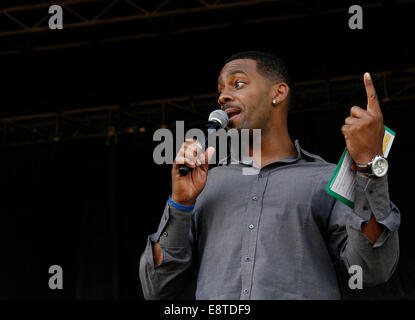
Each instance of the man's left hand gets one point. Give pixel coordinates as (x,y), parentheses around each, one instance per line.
(364,130)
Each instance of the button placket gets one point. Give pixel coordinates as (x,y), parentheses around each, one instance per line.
(249,237)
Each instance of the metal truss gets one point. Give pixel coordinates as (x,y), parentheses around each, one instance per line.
(111,20)
(141,117)
(78,14)
(104,12)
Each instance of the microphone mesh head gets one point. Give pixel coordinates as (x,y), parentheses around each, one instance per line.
(219,116)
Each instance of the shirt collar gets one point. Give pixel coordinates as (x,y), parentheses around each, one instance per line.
(301,154)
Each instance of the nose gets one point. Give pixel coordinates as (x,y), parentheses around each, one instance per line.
(224,98)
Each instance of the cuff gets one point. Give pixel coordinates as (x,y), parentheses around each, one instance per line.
(372,197)
(174,228)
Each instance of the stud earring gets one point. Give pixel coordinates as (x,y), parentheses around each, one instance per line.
(274,101)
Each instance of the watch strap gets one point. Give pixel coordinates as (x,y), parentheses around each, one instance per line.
(363,168)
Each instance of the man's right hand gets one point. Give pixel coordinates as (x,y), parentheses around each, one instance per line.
(187,188)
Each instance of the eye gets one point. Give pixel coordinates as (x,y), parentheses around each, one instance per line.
(238,83)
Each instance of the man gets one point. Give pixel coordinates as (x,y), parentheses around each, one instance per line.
(277,234)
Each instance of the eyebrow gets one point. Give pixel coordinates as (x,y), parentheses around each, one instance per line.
(232,73)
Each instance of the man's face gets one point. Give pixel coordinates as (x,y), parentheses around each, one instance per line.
(244,95)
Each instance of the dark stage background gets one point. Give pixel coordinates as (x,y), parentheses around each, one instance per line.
(79,187)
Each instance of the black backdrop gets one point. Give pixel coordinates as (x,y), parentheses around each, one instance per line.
(89,205)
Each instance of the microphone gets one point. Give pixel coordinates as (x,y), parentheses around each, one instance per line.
(217,119)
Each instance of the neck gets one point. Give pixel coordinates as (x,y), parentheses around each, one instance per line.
(275,144)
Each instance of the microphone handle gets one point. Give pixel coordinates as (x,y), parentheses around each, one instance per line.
(185,170)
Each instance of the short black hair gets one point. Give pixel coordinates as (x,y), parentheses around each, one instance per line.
(268,65)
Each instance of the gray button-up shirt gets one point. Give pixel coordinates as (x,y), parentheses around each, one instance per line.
(273,235)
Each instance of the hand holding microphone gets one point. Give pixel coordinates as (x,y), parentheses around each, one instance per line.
(191,159)
(217,119)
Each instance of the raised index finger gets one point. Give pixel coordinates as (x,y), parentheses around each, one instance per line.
(372,98)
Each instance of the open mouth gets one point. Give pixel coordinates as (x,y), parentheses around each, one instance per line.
(232,112)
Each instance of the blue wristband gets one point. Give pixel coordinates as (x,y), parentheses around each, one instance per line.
(180,206)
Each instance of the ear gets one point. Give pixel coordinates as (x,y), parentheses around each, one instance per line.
(280,93)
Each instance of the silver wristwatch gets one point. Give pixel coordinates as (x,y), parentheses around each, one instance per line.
(378,167)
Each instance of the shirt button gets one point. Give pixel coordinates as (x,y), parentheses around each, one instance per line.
(246,291)
(251,226)
(247,259)
(365,208)
(254,198)
(165,234)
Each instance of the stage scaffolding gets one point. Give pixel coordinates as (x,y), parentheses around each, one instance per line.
(139,117)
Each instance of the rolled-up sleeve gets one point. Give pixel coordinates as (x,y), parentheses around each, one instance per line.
(378,260)
(175,236)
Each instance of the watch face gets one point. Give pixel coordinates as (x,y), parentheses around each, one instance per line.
(379,167)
